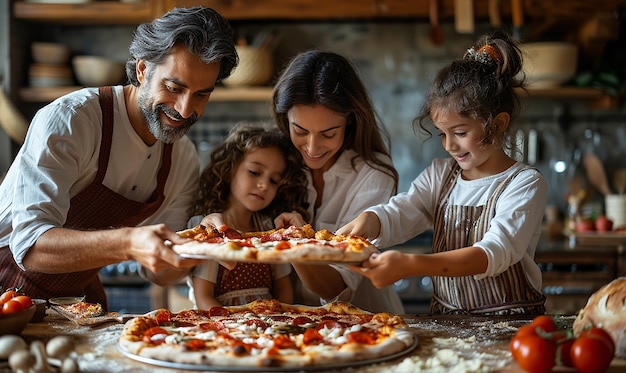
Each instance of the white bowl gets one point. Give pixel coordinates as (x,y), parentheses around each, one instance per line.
(94,71)
(549,64)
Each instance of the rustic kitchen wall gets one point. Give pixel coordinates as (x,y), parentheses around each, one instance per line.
(397,62)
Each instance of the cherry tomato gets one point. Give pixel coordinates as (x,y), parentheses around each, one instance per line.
(592,351)
(536,354)
(12,306)
(25,300)
(522,332)
(9,294)
(545,322)
(563,354)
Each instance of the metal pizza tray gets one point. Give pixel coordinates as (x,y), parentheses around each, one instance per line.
(306,368)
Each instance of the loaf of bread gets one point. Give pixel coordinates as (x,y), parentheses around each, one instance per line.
(606,308)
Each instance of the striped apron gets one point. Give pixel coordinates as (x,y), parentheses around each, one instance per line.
(461,226)
(95,207)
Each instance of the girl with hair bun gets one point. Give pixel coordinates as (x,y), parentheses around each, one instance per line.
(485,208)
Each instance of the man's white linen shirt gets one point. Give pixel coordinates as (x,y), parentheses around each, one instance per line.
(514,230)
(59,158)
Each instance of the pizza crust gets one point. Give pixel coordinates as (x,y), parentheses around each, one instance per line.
(300,251)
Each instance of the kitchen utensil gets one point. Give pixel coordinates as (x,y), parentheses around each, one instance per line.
(615,209)
(517,11)
(619,180)
(436,35)
(595,173)
(464,16)
(11,119)
(494,13)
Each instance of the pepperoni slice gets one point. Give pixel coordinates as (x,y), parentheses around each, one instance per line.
(312,336)
(255,323)
(194,344)
(274,236)
(329,324)
(301,320)
(218,311)
(155,330)
(283,245)
(163,317)
(231,234)
(282,341)
(213,240)
(362,337)
(212,325)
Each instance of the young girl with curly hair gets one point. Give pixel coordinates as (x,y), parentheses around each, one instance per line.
(252,177)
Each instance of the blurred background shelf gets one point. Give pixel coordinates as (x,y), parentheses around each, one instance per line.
(47,94)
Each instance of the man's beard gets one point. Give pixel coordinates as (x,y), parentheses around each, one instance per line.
(160,130)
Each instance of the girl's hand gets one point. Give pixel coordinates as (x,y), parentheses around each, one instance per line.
(287,219)
(215,220)
(382,268)
(365,225)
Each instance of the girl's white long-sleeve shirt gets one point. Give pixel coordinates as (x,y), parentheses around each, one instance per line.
(514,231)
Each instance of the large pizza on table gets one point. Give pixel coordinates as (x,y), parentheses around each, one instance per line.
(266,334)
(291,244)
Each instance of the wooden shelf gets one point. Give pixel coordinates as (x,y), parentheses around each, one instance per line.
(87,13)
(37,94)
(593,97)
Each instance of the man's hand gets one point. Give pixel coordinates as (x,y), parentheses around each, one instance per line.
(151,247)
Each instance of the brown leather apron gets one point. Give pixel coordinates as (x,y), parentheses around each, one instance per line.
(461,226)
(95,207)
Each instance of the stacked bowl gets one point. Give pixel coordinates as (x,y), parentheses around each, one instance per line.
(50,66)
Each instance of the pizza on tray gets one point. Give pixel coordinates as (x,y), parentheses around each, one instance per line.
(291,244)
(266,334)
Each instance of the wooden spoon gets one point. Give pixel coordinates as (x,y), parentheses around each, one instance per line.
(619,180)
(596,173)
(436,35)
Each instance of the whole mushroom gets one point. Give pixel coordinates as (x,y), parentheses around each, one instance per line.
(9,344)
(60,347)
(22,361)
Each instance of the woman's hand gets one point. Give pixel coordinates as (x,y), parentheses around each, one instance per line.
(383,269)
(287,219)
(365,225)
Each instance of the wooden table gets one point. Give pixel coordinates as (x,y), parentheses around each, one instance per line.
(476,343)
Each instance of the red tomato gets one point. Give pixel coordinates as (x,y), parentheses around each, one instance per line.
(9,294)
(564,354)
(522,332)
(592,351)
(12,306)
(604,224)
(25,300)
(545,322)
(536,354)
